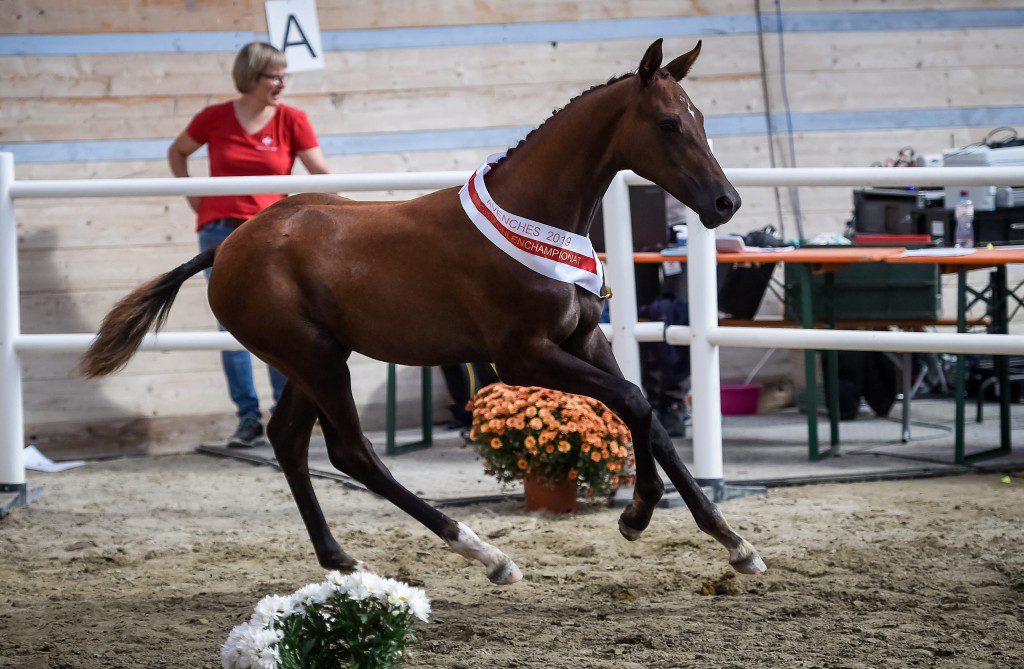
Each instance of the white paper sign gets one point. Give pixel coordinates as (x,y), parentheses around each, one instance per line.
(295,30)
(37,462)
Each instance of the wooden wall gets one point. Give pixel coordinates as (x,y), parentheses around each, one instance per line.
(99,89)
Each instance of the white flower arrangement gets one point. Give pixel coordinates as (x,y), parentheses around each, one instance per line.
(358,620)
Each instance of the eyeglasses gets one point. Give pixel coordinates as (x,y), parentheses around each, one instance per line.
(278,79)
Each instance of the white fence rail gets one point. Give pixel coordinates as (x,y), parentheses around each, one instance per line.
(704,335)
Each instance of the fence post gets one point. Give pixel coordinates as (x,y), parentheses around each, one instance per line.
(618,243)
(702,286)
(12,437)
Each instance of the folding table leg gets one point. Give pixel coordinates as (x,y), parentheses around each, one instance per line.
(908,390)
(997,284)
(833,368)
(959,385)
(810,378)
(999,295)
(392,447)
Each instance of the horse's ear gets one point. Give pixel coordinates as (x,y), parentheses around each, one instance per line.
(680,66)
(650,63)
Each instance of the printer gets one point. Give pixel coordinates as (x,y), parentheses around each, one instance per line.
(985,198)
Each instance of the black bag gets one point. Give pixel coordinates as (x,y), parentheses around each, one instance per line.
(868,374)
(741,289)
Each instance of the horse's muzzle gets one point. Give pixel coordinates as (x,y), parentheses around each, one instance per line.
(722,209)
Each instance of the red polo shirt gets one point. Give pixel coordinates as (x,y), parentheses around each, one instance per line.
(235,153)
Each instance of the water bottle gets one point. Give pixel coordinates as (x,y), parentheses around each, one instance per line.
(681,234)
(964,222)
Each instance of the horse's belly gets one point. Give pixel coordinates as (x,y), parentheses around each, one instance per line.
(411,338)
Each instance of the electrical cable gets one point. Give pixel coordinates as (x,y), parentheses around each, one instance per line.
(769,130)
(794,194)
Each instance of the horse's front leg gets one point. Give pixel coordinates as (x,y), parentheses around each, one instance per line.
(543,363)
(593,347)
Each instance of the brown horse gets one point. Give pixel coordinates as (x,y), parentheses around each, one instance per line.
(315,277)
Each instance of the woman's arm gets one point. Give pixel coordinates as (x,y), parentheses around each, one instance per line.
(314,161)
(177,157)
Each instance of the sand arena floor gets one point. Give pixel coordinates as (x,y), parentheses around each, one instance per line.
(149,562)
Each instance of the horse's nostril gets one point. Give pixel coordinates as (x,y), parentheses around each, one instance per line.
(724,205)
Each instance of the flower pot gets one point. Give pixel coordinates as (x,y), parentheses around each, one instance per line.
(558,497)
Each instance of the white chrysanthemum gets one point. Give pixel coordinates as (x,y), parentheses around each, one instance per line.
(361,585)
(419,604)
(314,593)
(407,598)
(232,655)
(254,645)
(271,608)
(250,646)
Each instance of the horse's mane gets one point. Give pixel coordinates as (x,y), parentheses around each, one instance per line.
(554,113)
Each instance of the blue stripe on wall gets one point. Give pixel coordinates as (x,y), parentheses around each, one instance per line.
(725,125)
(517,33)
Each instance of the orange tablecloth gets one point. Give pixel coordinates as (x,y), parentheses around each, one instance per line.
(823,257)
(855,254)
(980,258)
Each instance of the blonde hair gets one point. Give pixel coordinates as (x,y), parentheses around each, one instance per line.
(252,60)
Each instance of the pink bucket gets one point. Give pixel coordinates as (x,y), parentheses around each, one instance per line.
(740,399)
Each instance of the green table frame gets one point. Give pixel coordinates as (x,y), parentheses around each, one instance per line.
(810,373)
(995,298)
(391,414)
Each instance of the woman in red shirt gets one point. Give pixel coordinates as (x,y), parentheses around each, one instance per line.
(253,134)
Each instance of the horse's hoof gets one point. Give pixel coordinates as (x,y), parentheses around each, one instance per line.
(752,564)
(628,532)
(342,563)
(506,573)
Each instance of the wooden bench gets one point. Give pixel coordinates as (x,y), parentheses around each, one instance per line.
(903,324)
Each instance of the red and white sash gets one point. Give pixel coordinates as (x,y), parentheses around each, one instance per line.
(553,252)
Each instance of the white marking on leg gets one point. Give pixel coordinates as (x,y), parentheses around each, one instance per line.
(500,569)
(745,560)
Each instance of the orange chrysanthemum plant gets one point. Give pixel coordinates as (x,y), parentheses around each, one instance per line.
(522,432)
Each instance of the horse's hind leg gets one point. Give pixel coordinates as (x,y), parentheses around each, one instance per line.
(289,430)
(353,454)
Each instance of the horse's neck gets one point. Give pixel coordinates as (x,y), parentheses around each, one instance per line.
(559,175)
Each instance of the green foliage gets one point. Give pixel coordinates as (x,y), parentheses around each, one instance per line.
(342,632)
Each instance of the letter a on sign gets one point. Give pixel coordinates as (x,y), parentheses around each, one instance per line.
(294,29)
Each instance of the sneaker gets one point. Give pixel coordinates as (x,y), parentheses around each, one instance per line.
(248,434)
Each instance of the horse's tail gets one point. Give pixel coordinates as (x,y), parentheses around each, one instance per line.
(127,323)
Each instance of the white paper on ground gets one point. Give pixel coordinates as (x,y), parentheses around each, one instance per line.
(38,462)
(938,253)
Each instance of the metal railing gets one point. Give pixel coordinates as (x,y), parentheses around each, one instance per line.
(704,335)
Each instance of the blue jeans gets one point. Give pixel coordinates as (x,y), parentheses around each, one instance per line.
(238,364)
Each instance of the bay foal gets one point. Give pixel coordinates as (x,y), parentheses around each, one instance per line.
(315,277)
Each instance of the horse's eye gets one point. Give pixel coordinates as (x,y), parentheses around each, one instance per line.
(669,125)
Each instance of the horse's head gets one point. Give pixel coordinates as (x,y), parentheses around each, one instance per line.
(664,140)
